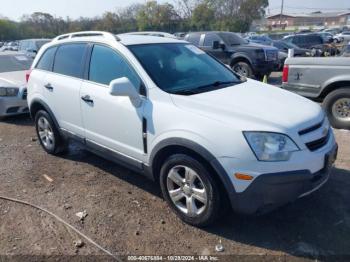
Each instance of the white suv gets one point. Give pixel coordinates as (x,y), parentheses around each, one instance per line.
(163,107)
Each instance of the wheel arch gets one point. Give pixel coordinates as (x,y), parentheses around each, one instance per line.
(168,147)
(239,57)
(38,104)
(334,86)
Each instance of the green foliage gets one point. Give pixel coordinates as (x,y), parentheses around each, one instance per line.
(184,15)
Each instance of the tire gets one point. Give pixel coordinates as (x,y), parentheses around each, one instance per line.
(48,134)
(198,185)
(337,107)
(243,68)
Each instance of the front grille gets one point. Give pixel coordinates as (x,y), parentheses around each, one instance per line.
(24,96)
(311,129)
(319,143)
(271,55)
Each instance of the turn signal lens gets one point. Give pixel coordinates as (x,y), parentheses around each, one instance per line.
(243,176)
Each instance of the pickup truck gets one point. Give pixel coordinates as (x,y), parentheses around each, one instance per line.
(324,79)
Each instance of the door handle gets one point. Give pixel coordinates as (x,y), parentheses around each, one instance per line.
(87,99)
(49,87)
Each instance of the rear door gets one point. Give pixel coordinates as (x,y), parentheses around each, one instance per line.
(62,86)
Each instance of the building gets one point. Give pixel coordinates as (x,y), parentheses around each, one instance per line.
(330,19)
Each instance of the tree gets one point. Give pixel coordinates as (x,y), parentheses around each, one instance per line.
(154,16)
(203,17)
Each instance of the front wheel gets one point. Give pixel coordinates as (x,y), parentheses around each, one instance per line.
(190,190)
(337,106)
(243,69)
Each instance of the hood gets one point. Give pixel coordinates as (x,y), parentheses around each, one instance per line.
(253,105)
(13,79)
(254,46)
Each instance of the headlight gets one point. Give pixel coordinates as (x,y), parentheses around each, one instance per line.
(8,91)
(270,146)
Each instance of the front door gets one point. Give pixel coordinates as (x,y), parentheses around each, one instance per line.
(111,121)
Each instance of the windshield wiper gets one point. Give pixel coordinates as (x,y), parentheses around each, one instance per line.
(218,83)
(201,89)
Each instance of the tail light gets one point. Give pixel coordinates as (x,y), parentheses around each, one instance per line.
(285,74)
(28,75)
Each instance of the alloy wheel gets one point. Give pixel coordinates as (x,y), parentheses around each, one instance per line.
(46,134)
(187,190)
(341,109)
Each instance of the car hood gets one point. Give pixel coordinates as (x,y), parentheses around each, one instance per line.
(253,106)
(254,46)
(13,79)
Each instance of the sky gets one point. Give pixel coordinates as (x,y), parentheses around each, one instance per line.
(308,6)
(14,9)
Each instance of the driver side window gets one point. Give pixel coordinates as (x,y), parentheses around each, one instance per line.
(107,65)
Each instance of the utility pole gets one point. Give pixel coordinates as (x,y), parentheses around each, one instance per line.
(281,14)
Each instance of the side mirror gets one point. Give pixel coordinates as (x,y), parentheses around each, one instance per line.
(216,45)
(123,87)
(222,46)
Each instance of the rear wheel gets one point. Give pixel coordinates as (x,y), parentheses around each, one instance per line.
(337,106)
(190,190)
(48,134)
(243,69)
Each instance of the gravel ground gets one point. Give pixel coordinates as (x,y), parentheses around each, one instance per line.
(126,215)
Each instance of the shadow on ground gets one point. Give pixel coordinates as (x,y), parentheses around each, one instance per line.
(317,225)
(20,120)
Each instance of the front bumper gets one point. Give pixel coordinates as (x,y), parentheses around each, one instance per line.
(271,190)
(13,105)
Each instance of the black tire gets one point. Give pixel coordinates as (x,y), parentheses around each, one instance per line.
(329,104)
(211,211)
(243,68)
(59,144)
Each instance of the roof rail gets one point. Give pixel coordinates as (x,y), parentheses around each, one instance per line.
(107,35)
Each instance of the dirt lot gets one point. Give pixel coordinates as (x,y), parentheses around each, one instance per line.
(126,214)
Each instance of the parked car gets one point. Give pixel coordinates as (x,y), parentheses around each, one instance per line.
(326,79)
(327,37)
(333,31)
(10,46)
(180,35)
(30,47)
(314,42)
(167,109)
(285,46)
(344,36)
(259,39)
(152,33)
(247,59)
(13,92)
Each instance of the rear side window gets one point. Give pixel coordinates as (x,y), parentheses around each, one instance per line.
(315,40)
(46,60)
(107,65)
(69,60)
(194,39)
(209,39)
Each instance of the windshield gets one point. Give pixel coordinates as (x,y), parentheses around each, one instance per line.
(9,63)
(232,39)
(291,45)
(183,68)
